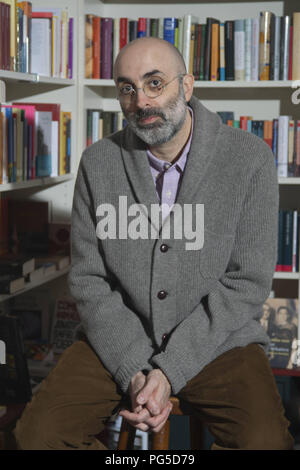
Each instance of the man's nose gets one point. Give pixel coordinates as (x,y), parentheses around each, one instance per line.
(142,100)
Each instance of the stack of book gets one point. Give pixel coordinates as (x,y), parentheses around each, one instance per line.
(102,123)
(35,141)
(262,48)
(36,40)
(281,134)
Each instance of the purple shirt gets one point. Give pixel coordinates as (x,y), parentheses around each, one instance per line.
(167,176)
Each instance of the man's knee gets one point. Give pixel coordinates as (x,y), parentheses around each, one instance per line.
(260,437)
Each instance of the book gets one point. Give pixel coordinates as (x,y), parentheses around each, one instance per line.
(66,323)
(10,284)
(264,45)
(89,46)
(284,47)
(280,321)
(229,50)
(60,262)
(239,49)
(41,43)
(296,47)
(16,265)
(14,375)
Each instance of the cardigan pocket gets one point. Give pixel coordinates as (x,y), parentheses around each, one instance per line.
(215,254)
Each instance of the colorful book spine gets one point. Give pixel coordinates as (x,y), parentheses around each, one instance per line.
(142,28)
(222,52)
(264,45)
(106,47)
(70,48)
(169,30)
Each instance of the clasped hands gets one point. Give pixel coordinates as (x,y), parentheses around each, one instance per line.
(150,401)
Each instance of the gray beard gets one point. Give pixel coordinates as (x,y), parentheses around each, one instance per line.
(157,133)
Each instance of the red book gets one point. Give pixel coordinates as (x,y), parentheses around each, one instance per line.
(142,27)
(243,122)
(291,53)
(96,46)
(123,32)
(42,14)
(268,131)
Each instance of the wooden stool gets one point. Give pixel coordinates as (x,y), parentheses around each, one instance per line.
(160,440)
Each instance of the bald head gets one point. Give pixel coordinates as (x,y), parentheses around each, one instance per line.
(155,50)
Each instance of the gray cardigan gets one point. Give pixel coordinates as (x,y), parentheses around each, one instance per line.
(214,295)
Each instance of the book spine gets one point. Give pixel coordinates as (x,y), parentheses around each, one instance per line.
(248,43)
(89,46)
(70,48)
(295,231)
(187,23)
(290,53)
(281,222)
(229,50)
(215,48)
(123,32)
(116,38)
(268,133)
(296,47)
(275,140)
(291,140)
(142,28)
(284,47)
(239,49)
(106,47)
(133,28)
(96,46)
(169,30)
(264,45)
(207,56)
(202,52)
(297,149)
(283,129)
(277,49)
(222,52)
(192,47)
(198,51)
(272,46)
(288,241)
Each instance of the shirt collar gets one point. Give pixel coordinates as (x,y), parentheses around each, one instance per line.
(159,164)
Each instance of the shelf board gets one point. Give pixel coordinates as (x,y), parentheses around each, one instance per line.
(289,180)
(286,275)
(209,83)
(45,181)
(9,76)
(33,285)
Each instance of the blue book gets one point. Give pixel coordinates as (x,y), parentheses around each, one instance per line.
(10,144)
(169,30)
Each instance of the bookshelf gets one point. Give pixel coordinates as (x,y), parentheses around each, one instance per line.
(261,99)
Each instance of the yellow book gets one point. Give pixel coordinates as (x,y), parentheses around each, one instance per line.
(215,51)
(264,45)
(296,47)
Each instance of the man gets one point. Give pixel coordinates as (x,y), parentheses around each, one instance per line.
(160,316)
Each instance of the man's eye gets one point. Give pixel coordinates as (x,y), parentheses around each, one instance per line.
(126,90)
(155,83)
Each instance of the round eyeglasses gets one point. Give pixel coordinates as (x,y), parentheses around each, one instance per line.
(152,88)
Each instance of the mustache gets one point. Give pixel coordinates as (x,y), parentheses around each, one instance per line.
(149,112)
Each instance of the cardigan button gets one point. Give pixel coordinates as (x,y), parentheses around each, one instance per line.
(164,248)
(162,294)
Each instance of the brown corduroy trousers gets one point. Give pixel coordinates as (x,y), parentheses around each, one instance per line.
(235,395)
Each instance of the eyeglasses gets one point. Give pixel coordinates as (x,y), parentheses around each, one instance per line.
(153,87)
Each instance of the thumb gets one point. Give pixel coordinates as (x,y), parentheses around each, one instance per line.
(146,391)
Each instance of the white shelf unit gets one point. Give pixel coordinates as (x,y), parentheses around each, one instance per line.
(262,100)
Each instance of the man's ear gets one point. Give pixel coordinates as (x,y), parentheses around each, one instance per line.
(188,86)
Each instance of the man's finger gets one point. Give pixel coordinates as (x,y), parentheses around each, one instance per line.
(135,418)
(146,391)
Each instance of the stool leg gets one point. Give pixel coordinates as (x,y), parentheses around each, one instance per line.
(160,440)
(127,436)
(196,433)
